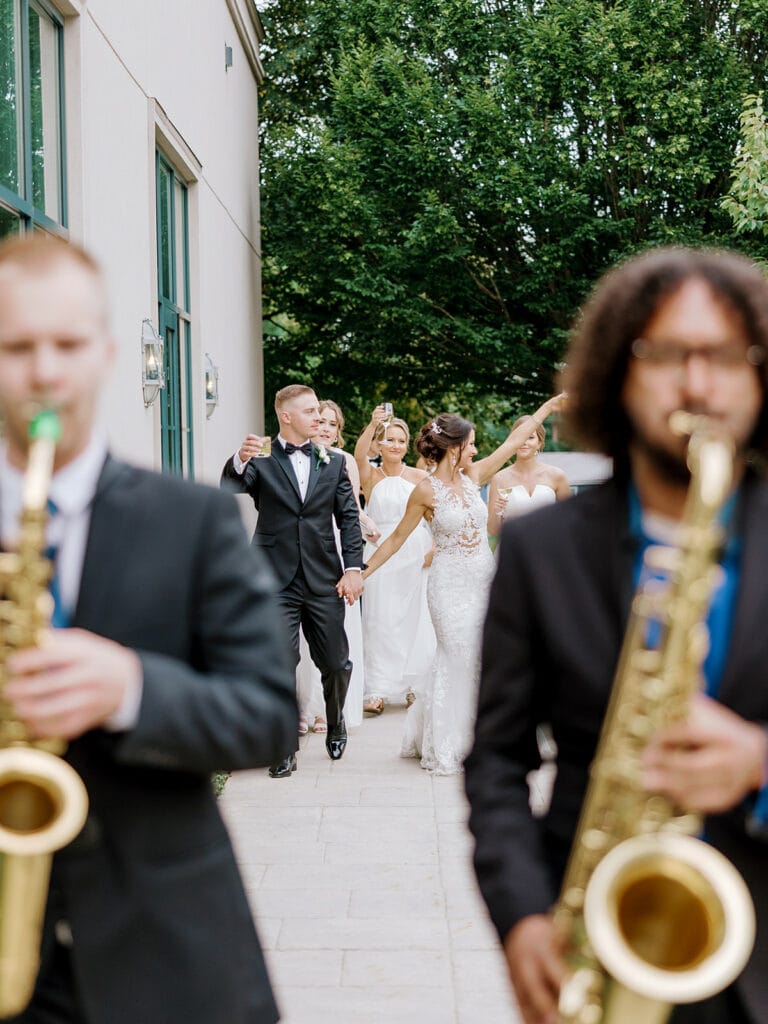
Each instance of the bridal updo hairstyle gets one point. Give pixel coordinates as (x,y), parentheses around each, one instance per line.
(444,432)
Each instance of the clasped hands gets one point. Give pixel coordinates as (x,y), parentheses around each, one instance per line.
(707,764)
(72,682)
(350,586)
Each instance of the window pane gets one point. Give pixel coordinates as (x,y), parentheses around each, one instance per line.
(9,222)
(180,236)
(164,228)
(10,96)
(45,113)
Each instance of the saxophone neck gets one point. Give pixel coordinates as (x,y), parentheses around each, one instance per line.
(44,435)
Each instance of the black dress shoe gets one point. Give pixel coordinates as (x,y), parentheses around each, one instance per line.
(283,769)
(336,740)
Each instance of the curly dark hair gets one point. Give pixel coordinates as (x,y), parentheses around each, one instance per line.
(445,431)
(618,311)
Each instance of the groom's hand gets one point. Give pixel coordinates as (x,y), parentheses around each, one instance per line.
(251,446)
(350,586)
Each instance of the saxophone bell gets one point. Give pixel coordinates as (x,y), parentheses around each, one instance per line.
(670,920)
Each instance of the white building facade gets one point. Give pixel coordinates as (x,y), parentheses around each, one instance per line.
(131,127)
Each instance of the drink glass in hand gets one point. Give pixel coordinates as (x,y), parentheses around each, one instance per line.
(504,493)
(266,448)
(383,424)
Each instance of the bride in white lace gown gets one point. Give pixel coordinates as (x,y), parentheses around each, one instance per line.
(439,725)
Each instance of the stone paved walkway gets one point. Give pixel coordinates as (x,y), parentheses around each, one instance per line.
(360,880)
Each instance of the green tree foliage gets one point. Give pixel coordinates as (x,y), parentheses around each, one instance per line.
(443,180)
(747,202)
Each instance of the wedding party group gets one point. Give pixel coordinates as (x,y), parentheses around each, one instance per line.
(413,543)
(146,645)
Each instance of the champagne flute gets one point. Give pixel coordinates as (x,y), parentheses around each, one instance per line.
(384,424)
(504,493)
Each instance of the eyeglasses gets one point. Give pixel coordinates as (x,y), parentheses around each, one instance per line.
(670,355)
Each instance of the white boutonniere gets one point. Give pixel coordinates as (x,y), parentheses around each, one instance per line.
(323,456)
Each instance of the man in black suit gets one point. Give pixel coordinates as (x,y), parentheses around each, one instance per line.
(298,489)
(673,329)
(171,667)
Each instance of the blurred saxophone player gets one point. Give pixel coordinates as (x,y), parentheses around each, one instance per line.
(671,329)
(170,666)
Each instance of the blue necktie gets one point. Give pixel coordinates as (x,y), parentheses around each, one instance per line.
(60,617)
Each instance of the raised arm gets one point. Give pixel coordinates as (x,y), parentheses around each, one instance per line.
(367,525)
(419,504)
(483,470)
(363,447)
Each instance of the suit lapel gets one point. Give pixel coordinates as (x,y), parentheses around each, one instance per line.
(315,469)
(749,620)
(282,460)
(95,584)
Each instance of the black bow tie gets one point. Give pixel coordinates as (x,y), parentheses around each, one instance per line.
(306,448)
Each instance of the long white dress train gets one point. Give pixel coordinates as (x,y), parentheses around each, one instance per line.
(398,639)
(439,726)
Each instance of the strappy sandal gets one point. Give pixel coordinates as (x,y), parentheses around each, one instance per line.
(303,725)
(320,725)
(410,697)
(374,706)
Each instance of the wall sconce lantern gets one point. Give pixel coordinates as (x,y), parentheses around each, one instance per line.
(152,372)
(211,386)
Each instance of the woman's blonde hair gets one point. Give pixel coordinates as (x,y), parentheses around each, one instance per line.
(540,431)
(380,431)
(327,403)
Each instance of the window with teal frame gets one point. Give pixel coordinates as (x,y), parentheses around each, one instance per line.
(174,319)
(32,164)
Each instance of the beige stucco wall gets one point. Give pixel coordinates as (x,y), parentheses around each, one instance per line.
(145,73)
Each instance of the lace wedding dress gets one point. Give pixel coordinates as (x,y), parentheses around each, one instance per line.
(439,725)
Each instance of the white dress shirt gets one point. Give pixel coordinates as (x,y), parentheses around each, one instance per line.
(298,460)
(72,491)
(301,467)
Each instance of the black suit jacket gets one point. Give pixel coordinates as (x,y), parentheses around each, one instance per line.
(293,532)
(555,624)
(162,929)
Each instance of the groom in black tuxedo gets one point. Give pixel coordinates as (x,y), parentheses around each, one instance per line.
(297,490)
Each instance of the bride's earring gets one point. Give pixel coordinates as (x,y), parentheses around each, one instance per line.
(453,462)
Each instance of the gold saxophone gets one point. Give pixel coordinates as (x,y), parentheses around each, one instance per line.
(651,915)
(43,802)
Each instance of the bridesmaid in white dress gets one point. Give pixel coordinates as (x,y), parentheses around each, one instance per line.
(439,727)
(309,689)
(398,639)
(526,485)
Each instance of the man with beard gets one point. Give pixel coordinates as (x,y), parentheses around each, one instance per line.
(674,329)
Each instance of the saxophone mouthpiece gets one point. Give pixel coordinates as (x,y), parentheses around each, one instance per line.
(45,425)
